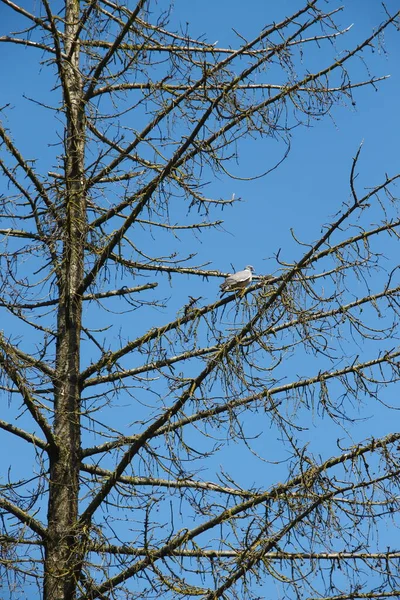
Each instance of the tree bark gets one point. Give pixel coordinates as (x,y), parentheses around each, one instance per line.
(62,558)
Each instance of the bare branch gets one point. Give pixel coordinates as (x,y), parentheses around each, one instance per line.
(23,517)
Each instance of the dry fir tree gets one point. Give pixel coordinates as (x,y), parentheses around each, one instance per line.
(131,424)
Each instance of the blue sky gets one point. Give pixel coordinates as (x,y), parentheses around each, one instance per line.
(302,194)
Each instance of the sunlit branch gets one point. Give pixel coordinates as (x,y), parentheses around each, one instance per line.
(354,595)
(113,179)
(152,366)
(125,291)
(21,234)
(204,47)
(25,42)
(167,483)
(162,268)
(23,517)
(191,226)
(29,437)
(9,539)
(170,87)
(275,556)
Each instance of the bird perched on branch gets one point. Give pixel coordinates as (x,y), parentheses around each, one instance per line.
(237,281)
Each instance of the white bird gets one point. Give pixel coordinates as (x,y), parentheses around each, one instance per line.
(237,281)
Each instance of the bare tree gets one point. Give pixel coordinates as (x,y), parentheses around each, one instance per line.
(122,417)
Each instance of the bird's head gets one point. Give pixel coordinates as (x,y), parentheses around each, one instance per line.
(249,268)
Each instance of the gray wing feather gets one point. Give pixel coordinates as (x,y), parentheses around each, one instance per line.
(236,280)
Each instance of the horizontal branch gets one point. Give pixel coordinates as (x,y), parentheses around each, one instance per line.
(173,88)
(354,595)
(100,295)
(19,233)
(26,42)
(337,557)
(151,366)
(160,268)
(9,539)
(206,48)
(191,226)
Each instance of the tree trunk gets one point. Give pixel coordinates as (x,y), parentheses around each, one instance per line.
(62,560)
